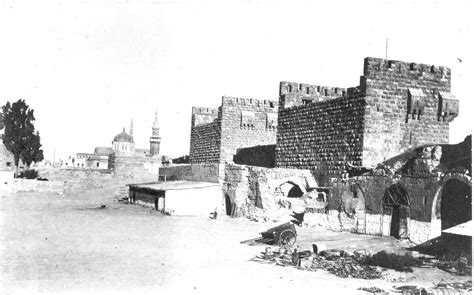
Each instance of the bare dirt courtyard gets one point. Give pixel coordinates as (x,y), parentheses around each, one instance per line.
(66,244)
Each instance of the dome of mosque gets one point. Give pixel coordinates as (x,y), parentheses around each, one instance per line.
(123,137)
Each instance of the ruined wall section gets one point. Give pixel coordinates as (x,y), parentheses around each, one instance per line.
(321,136)
(408,105)
(246,122)
(128,165)
(255,191)
(195,172)
(205,136)
(420,191)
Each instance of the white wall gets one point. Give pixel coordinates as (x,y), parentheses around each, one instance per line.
(196,201)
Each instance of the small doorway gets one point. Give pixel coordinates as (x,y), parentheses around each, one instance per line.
(160,203)
(132,197)
(229,206)
(456,203)
(395,212)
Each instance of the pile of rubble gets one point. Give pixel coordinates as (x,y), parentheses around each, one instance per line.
(339,263)
(440,288)
(360,265)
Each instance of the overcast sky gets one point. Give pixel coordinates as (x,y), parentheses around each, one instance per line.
(87,68)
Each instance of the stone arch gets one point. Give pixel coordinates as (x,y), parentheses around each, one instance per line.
(435,227)
(290,189)
(445,185)
(395,195)
(455,204)
(354,205)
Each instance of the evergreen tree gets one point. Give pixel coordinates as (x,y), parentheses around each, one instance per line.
(20,137)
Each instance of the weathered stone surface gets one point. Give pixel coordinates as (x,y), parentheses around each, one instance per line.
(397,106)
(218,134)
(195,172)
(249,187)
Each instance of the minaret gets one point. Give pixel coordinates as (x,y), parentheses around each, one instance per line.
(131,128)
(155,138)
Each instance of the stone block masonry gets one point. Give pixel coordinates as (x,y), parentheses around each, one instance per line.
(246,123)
(218,134)
(321,137)
(195,172)
(247,187)
(205,136)
(404,107)
(129,165)
(396,106)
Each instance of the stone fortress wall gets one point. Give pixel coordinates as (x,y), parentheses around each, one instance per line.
(218,134)
(398,105)
(205,136)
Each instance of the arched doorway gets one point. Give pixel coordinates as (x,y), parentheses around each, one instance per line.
(456,203)
(295,192)
(289,189)
(395,212)
(229,206)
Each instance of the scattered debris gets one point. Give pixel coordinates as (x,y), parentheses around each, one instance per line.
(451,288)
(337,262)
(408,289)
(440,288)
(393,261)
(373,290)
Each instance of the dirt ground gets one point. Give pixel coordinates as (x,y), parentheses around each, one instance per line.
(65,244)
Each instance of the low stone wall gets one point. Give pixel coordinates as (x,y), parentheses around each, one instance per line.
(192,172)
(21,185)
(250,186)
(333,220)
(418,231)
(68,174)
(373,224)
(261,156)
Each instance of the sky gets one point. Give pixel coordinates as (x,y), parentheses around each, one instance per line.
(88,68)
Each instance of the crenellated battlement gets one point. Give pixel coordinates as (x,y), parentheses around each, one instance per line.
(396,106)
(202,116)
(394,70)
(295,94)
(205,111)
(229,100)
(310,90)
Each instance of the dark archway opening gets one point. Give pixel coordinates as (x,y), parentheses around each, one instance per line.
(229,206)
(156,204)
(456,204)
(295,192)
(396,211)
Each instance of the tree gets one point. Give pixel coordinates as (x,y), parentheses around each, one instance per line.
(20,137)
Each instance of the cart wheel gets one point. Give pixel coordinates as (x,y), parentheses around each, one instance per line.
(287,238)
